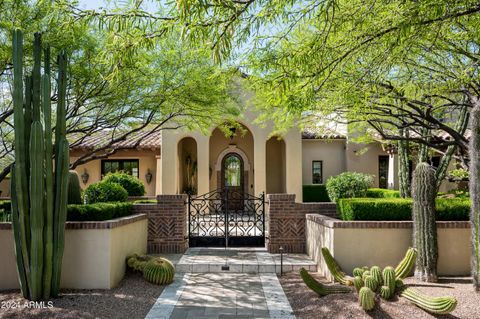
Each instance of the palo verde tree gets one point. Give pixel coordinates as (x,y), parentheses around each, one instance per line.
(386,64)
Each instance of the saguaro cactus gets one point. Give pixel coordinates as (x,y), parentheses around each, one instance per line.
(424,222)
(475,189)
(38,223)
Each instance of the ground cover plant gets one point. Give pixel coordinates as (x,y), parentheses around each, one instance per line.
(369,282)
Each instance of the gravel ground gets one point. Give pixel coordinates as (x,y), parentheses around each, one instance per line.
(306,304)
(132,299)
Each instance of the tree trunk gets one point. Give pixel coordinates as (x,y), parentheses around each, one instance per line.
(403,168)
(424,223)
(475,189)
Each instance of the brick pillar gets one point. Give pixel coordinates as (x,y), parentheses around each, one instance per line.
(286,225)
(286,221)
(167,224)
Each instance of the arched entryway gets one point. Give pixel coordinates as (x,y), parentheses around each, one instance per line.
(187,166)
(237,147)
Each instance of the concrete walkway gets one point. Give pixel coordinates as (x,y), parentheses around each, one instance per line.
(250,289)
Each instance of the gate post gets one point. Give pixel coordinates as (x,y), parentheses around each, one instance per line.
(167,224)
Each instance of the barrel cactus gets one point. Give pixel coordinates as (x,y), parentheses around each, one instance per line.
(389,280)
(319,288)
(366,297)
(159,271)
(424,223)
(371,283)
(156,270)
(358,283)
(39,197)
(376,272)
(358,272)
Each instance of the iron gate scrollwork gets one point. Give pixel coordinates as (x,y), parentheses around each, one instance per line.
(226,217)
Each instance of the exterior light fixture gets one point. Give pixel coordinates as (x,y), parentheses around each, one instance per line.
(148,176)
(85,176)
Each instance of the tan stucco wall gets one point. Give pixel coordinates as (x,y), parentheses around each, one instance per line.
(5,187)
(92,259)
(354,247)
(146,161)
(363,158)
(275,167)
(186,147)
(331,152)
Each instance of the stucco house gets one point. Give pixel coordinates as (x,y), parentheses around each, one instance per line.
(247,157)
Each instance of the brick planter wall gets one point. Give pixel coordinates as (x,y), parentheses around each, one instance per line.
(167,224)
(286,221)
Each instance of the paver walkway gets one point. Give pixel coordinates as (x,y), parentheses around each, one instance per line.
(245,292)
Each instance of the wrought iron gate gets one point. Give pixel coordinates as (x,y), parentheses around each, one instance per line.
(225,217)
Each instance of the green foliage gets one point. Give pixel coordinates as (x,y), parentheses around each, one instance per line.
(102,192)
(348,185)
(382,193)
(319,288)
(315,193)
(399,209)
(459,174)
(74,189)
(145,201)
(98,211)
(132,185)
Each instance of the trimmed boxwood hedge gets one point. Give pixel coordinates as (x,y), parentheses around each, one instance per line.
(382,193)
(315,193)
(390,209)
(98,211)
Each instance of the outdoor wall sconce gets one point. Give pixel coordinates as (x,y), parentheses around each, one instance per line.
(148,176)
(85,177)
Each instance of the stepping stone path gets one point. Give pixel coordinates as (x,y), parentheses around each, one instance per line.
(249,289)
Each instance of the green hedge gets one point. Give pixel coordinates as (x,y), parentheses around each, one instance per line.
(382,193)
(315,193)
(98,211)
(389,209)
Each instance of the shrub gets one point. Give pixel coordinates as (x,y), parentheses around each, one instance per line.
(348,184)
(315,193)
(390,209)
(74,189)
(98,211)
(132,185)
(105,192)
(382,193)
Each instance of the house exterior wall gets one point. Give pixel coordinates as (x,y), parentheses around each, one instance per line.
(5,187)
(363,158)
(146,161)
(330,152)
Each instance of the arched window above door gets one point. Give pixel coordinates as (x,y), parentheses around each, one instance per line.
(232,165)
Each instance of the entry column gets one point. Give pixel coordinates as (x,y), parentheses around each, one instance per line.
(203,175)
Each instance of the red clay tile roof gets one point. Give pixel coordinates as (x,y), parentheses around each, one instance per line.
(148,141)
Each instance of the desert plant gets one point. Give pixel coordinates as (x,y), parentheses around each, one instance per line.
(348,184)
(39,198)
(405,267)
(156,270)
(368,284)
(436,305)
(366,297)
(159,271)
(335,269)
(102,192)
(132,185)
(474,190)
(74,190)
(319,288)
(424,192)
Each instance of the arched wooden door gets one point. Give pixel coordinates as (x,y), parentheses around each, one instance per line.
(232,181)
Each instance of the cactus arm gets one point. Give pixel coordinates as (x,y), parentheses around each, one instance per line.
(406,265)
(436,305)
(18,243)
(61,193)
(36,208)
(389,280)
(21,183)
(36,77)
(47,111)
(335,269)
(319,288)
